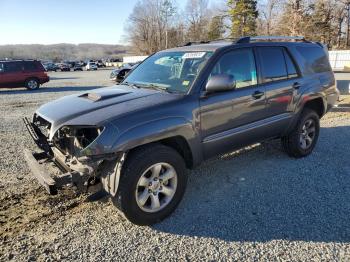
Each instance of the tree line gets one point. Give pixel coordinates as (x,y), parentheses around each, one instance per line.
(60,52)
(159,24)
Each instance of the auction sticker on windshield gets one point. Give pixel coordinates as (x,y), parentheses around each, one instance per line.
(193,55)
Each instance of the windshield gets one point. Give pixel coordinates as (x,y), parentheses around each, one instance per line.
(170,71)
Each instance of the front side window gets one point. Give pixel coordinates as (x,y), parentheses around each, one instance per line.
(273,65)
(13,67)
(169,71)
(240,64)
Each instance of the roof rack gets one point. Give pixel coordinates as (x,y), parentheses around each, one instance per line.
(248,39)
(195,43)
(218,40)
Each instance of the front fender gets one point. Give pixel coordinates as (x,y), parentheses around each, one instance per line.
(156,130)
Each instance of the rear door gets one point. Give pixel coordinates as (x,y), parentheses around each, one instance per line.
(30,69)
(280,78)
(227,118)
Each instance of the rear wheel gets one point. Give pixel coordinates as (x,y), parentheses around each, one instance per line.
(32,84)
(303,138)
(152,184)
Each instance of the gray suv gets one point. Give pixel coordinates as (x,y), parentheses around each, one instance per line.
(178,108)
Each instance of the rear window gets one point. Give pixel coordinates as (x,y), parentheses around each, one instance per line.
(273,65)
(315,58)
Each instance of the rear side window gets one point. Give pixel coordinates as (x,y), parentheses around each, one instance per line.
(315,58)
(30,66)
(291,68)
(12,67)
(1,67)
(273,66)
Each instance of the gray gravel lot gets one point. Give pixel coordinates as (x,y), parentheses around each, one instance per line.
(249,205)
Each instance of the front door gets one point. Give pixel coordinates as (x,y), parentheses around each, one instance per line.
(227,117)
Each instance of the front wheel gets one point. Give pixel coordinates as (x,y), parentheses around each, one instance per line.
(152,184)
(301,141)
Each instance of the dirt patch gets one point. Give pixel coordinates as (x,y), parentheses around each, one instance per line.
(21,212)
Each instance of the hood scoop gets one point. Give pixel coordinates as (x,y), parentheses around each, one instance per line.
(103,95)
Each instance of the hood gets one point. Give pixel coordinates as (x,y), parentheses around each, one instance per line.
(99,105)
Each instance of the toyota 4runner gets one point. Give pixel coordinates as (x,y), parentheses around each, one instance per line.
(178,108)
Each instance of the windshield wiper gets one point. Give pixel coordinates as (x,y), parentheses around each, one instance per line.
(130,84)
(153,86)
(150,86)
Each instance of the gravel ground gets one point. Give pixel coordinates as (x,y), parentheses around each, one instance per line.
(253,204)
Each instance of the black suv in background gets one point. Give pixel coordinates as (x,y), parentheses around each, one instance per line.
(178,108)
(22,73)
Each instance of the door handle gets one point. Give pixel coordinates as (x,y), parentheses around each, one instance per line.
(257,94)
(296,85)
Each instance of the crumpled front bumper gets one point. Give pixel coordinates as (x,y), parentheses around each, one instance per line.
(37,164)
(49,167)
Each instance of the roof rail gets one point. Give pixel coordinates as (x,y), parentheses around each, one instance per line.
(248,39)
(195,43)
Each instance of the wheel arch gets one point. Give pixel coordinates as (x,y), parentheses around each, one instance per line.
(178,143)
(317,104)
(32,77)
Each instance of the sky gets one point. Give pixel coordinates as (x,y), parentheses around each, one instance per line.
(65,21)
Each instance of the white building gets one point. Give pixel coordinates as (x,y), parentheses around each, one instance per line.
(133,59)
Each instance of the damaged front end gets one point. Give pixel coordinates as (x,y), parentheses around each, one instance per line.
(75,152)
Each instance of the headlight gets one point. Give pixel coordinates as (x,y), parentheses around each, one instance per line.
(73,139)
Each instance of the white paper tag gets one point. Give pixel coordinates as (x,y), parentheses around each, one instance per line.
(193,55)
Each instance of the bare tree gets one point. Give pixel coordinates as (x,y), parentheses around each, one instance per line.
(268,15)
(148,25)
(197,14)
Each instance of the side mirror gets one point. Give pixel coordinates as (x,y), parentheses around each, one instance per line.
(219,83)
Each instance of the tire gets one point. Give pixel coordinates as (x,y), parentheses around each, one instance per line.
(32,84)
(297,143)
(142,163)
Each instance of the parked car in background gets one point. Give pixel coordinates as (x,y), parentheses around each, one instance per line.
(50,67)
(78,67)
(18,73)
(100,63)
(119,74)
(71,64)
(64,67)
(91,66)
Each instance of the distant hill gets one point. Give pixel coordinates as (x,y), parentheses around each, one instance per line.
(59,52)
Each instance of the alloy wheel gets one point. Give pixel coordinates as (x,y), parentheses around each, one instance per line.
(156,187)
(307,134)
(32,84)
